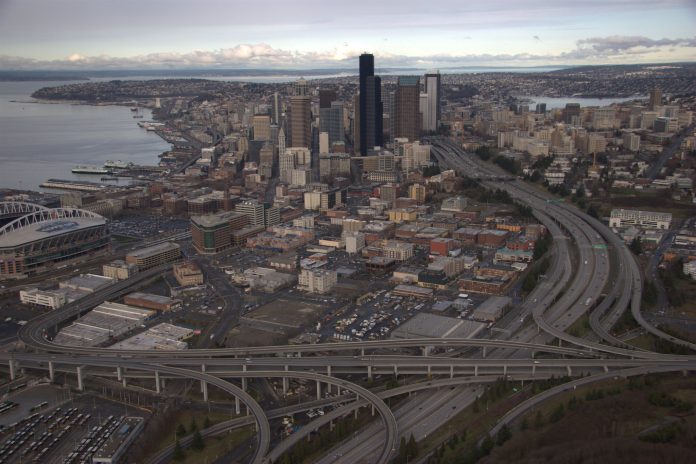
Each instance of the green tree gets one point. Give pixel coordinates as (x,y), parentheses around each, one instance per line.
(411,448)
(504,434)
(178,454)
(636,246)
(180,430)
(487,445)
(538,420)
(193,426)
(206,422)
(197,442)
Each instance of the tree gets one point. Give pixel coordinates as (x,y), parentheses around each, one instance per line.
(197,442)
(193,426)
(178,454)
(180,430)
(503,435)
(487,445)
(538,420)
(636,246)
(206,422)
(592,210)
(411,448)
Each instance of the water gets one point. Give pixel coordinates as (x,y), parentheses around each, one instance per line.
(560,102)
(41,141)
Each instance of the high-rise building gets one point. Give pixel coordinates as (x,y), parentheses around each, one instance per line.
(276,108)
(406,108)
(300,88)
(331,121)
(655,98)
(572,113)
(300,121)
(434,96)
(253,210)
(262,127)
(326,97)
(356,124)
(417,192)
(541,108)
(370,105)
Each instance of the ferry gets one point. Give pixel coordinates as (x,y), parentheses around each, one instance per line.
(117,165)
(81,169)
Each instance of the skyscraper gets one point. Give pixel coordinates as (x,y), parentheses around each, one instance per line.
(434,110)
(331,115)
(276,109)
(655,98)
(301,116)
(406,108)
(370,105)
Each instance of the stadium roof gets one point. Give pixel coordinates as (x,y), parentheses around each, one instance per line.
(46,223)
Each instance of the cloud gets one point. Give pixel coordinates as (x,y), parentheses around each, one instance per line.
(594,50)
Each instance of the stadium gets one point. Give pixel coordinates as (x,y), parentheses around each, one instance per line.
(39,239)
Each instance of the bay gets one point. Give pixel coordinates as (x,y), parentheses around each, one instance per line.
(46,140)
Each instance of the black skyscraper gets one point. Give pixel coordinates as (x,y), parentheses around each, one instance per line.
(370,105)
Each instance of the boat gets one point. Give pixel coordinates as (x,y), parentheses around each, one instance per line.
(82,169)
(135,108)
(117,165)
(105,178)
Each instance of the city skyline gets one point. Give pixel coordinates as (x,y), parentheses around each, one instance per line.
(74,34)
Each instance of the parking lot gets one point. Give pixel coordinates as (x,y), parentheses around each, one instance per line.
(51,425)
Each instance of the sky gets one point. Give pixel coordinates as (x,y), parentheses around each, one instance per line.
(313,34)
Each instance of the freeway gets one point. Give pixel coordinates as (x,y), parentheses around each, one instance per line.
(526,406)
(454,157)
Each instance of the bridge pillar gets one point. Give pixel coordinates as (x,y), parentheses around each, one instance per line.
(362,351)
(560,342)
(429,371)
(451,371)
(328,385)
(80,385)
(203,384)
(475,370)
(396,370)
(504,369)
(236,405)
(157,382)
(483,351)
(119,373)
(606,368)
(124,382)
(51,373)
(13,374)
(570,372)
(373,410)
(244,383)
(533,369)
(318,390)
(369,372)
(285,382)
(299,354)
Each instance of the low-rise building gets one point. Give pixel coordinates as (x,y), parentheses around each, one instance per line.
(153,256)
(395,249)
(50,299)
(317,280)
(151,301)
(646,219)
(119,269)
(492,309)
(188,274)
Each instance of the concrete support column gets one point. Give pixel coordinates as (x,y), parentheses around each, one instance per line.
(157,382)
(369,372)
(203,383)
(244,383)
(396,370)
(13,375)
(560,342)
(51,372)
(299,354)
(606,368)
(373,410)
(80,385)
(362,351)
(451,371)
(328,371)
(236,405)
(429,371)
(475,370)
(285,382)
(570,373)
(533,369)
(483,352)
(504,369)
(123,377)
(119,373)
(318,390)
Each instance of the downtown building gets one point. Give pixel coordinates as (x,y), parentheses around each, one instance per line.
(369,105)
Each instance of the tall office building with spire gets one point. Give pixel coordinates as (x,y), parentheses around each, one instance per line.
(370,105)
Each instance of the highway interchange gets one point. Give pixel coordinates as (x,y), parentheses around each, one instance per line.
(584,278)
